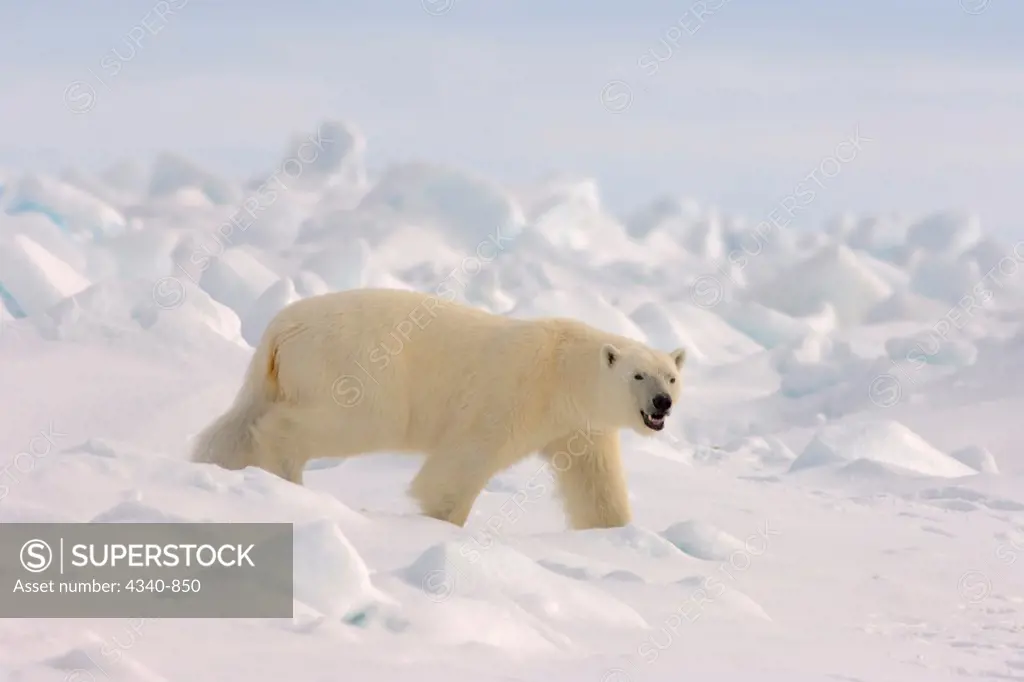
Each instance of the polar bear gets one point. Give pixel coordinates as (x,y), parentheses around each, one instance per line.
(368,370)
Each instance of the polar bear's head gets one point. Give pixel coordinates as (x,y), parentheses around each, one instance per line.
(642,386)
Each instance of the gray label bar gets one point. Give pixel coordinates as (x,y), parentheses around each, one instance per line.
(146,570)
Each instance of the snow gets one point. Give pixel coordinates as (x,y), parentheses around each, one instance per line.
(945,232)
(341,267)
(236,278)
(332,156)
(771,328)
(71,208)
(838,495)
(461,206)
(930,348)
(664,331)
(978,458)
(841,280)
(263,309)
(587,306)
(172,173)
(34,278)
(505,577)
(702,540)
(328,575)
(883,441)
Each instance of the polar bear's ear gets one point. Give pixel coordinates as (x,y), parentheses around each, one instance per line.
(609,354)
(679,357)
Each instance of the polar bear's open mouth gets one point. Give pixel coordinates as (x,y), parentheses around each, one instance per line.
(655,422)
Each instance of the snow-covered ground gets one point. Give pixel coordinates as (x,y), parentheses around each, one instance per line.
(840,498)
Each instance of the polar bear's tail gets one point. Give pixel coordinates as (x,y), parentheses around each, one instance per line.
(230,440)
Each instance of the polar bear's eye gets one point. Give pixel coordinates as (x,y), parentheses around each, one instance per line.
(672,380)
(638,377)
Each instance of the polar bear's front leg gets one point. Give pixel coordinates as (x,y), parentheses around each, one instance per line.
(447,486)
(591,479)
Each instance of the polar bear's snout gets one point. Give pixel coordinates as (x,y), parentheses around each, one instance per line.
(661,405)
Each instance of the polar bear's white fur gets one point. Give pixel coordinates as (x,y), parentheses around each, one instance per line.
(371,370)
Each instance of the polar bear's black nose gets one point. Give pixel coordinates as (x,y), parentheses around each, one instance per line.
(662,402)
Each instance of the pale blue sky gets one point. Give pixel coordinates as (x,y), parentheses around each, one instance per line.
(740,113)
